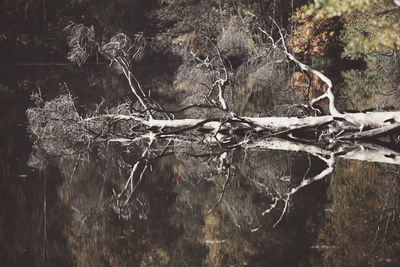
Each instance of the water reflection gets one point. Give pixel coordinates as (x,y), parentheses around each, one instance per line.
(169,220)
(361,225)
(194,206)
(214,203)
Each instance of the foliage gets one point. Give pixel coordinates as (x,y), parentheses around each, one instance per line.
(166,23)
(257,72)
(265,78)
(369,25)
(332,8)
(368,31)
(182,22)
(236,41)
(313,35)
(26,11)
(361,89)
(59,129)
(61,125)
(38,25)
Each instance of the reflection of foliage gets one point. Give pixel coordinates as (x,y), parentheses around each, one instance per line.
(32,216)
(226,231)
(362,227)
(252,186)
(87,189)
(361,89)
(95,233)
(186,214)
(268,177)
(242,210)
(31,233)
(199,171)
(367,88)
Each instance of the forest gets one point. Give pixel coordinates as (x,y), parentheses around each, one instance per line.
(219,132)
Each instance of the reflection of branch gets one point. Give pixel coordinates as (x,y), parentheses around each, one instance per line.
(308,168)
(133,189)
(129,189)
(222,193)
(135,169)
(362,151)
(328,170)
(389,208)
(76,165)
(320,153)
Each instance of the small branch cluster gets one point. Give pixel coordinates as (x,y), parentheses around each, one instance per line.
(79,36)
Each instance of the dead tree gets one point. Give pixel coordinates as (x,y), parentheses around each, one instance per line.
(327,137)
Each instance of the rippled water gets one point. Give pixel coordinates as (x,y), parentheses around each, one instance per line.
(188,210)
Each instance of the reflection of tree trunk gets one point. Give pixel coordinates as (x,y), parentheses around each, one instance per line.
(360,151)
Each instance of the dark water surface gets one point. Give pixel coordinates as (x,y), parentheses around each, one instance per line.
(60,212)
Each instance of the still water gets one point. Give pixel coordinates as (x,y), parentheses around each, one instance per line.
(186,211)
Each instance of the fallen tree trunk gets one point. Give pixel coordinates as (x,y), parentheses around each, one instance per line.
(359,125)
(349,121)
